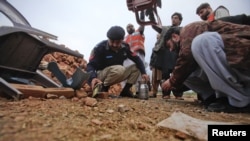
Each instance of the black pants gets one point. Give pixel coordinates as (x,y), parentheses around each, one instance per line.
(177,92)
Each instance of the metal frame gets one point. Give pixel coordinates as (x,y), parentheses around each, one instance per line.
(139,5)
(22,48)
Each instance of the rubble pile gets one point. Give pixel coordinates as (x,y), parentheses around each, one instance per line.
(68,65)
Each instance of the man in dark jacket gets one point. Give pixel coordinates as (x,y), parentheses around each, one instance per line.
(206,13)
(216,63)
(106,63)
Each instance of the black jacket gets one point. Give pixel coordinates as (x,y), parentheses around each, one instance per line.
(102,56)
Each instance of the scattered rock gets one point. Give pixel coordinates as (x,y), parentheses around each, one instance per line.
(96,121)
(89,101)
(51,96)
(122,108)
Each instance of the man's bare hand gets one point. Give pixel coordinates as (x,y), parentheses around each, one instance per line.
(166,85)
(94,82)
(145,77)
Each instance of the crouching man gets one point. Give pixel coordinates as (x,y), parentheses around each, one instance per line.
(106,63)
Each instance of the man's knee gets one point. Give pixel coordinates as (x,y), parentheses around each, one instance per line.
(118,69)
(197,43)
(204,42)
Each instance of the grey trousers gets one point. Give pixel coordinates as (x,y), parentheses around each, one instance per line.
(215,76)
(117,73)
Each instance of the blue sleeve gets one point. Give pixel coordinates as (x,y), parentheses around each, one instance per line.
(92,65)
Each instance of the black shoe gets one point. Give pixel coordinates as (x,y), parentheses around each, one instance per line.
(78,78)
(127,94)
(208,101)
(105,88)
(224,106)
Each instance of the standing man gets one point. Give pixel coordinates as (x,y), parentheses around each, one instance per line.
(206,13)
(168,57)
(154,65)
(135,39)
(106,63)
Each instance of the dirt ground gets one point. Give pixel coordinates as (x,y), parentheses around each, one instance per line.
(37,119)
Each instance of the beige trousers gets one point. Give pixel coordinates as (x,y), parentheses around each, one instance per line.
(118,73)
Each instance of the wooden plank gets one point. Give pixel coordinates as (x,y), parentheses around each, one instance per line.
(39,91)
(30,90)
(67,92)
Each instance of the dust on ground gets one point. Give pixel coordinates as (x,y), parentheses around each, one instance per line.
(39,119)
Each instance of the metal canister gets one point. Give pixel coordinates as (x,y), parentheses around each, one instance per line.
(143,90)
